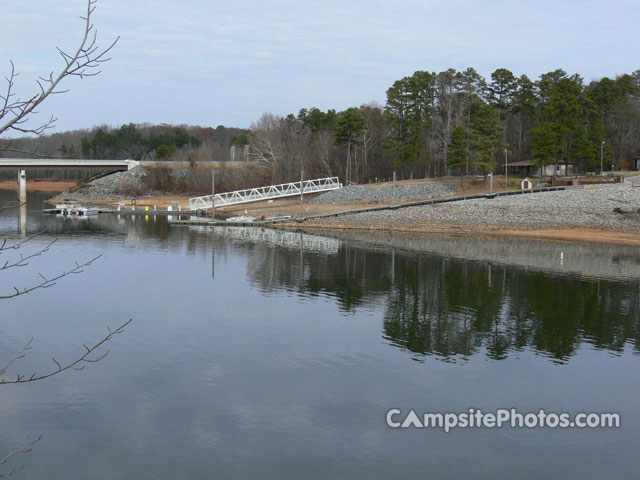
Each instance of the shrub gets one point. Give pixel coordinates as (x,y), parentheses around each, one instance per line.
(133,189)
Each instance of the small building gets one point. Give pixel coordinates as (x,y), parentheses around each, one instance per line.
(527,168)
(526,184)
(520,168)
(636,163)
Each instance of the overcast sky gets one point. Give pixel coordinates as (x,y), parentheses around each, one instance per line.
(210,62)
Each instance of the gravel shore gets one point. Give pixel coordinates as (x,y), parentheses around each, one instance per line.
(116,186)
(387,193)
(573,208)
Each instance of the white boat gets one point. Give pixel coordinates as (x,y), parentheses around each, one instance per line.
(67,204)
(83,211)
(241,219)
(73,208)
(63,208)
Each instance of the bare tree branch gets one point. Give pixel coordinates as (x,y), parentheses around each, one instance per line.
(16,111)
(13,204)
(22,261)
(48,282)
(16,246)
(21,354)
(26,448)
(77,364)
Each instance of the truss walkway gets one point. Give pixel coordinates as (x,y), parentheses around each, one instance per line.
(264,193)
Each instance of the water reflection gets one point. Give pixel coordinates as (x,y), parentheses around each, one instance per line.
(456,307)
(448,297)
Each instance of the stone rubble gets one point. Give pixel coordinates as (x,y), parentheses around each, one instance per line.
(387,193)
(113,186)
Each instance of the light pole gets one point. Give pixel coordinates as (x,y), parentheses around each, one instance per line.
(506,169)
(602,158)
(213,193)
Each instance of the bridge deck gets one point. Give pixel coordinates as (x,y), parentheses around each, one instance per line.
(65,164)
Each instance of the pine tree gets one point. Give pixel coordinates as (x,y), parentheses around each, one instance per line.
(457,151)
(485,136)
(348,131)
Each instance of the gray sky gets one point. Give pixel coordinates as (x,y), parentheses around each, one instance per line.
(210,62)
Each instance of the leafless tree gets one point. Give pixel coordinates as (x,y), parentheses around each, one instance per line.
(15,113)
(266,144)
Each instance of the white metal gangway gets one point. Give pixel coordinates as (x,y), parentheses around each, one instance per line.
(264,193)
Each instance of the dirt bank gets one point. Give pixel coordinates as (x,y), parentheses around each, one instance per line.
(44,186)
(582,235)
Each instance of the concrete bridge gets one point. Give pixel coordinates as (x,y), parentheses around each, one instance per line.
(65,164)
(34,164)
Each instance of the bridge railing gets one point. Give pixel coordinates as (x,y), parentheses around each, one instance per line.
(264,193)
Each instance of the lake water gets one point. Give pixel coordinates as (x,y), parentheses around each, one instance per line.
(262,354)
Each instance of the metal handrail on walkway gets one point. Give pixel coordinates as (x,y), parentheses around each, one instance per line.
(264,193)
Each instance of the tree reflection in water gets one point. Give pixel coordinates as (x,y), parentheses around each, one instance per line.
(454,308)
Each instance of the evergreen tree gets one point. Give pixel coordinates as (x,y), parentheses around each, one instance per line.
(485,136)
(409,111)
(501,89)
(348,130)
(457,152)
(561,133)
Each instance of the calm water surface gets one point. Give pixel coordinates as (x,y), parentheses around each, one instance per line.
(260,354)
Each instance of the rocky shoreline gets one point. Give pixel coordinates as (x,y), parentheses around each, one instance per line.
(602,213)
(115,186)
(613,209)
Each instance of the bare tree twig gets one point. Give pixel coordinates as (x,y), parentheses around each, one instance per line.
(21,354)
(22,261)
(49,282)
(26,448)
(13,204)
(16,246)
(77,364)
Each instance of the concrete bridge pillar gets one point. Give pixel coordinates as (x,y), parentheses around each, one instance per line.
(22,186)
(22,227)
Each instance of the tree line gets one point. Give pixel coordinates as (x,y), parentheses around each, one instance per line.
(432,124)
(458,122)
(130,141)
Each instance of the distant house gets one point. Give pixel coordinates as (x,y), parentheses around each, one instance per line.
(527,168)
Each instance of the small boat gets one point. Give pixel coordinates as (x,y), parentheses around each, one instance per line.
(83,212)
(63,208)
(241,219)
(70,207)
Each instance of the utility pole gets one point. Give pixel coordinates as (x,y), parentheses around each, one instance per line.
(506,168)
(602,158)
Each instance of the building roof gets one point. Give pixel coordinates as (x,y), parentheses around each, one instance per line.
(529,163)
